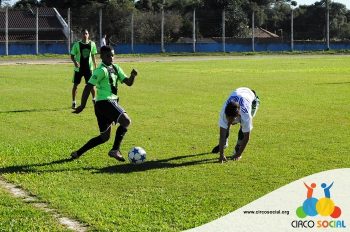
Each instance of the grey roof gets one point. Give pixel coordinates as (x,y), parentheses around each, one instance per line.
(262,33)
(22,23)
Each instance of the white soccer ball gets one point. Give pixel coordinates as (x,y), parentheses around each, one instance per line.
(137,155)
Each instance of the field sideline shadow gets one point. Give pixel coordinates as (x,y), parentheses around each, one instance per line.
(156,164)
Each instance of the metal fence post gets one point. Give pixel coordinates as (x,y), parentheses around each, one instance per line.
(194,31)
(37,32)
(162,29)
(69,30)
(327,19)
(292,31)
(7,31)
(132,32)
(223,32)
(253,27)
(100,13)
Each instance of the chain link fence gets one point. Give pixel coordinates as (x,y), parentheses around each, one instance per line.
(50,30)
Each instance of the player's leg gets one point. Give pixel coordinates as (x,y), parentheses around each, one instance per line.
(104,124)
(87,76)
(93,94)
(124,121)
(216,148)
(120,116)
(94,142)
(76,81)
(74,93)
(239,140)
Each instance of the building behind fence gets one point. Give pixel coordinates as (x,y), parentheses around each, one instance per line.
(47,30)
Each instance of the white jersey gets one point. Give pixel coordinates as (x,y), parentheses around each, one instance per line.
(244,96)
(103,42)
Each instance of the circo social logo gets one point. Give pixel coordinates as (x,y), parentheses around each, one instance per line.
(324,206)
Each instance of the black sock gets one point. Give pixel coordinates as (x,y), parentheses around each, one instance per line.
(91,144)
(119,135)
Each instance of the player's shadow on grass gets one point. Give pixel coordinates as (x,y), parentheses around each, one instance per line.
(118,168)
(158,164)
(33,110)
(335,83)
(29,168)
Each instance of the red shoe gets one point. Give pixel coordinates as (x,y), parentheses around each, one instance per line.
(116,154)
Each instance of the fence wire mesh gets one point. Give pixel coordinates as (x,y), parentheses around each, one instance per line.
(222,28)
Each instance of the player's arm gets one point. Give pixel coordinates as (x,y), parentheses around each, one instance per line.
(76,64)
(93,53)
(129,81)
(246,136)
(222,142)
(73,53)
(94,61)
(84,98)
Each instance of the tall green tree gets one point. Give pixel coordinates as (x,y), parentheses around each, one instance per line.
(339,21)
(238,15)
(309,20)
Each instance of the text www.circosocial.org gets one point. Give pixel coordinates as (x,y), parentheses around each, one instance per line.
(284,212)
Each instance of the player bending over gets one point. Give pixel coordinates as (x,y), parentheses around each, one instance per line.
(107,109)
(240,107)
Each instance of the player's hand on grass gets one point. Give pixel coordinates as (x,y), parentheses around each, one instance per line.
(78,109)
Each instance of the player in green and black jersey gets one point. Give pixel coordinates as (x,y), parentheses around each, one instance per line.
(107,109)
(83,56)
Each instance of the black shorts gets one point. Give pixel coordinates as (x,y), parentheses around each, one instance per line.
(107,112)
(78,75)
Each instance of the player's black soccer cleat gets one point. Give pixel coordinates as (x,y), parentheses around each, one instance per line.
(74,155)
(116,154)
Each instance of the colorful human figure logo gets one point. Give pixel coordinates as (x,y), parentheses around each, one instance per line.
(323,206)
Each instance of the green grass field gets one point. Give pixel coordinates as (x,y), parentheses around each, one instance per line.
(16,216)
(302,127)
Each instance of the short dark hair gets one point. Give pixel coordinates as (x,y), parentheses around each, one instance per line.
(105,49)
(83,31)
(232,109)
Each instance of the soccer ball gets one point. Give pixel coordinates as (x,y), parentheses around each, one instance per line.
(137,155)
